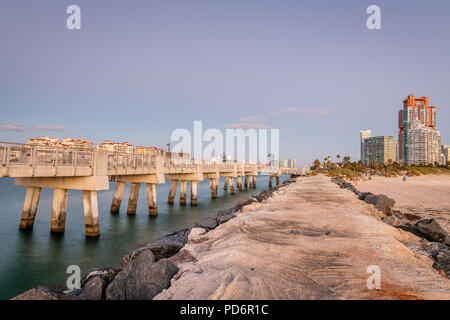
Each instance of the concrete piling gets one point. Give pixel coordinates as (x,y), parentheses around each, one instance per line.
(151,199)
(183,187)
(30,206)
(246,181)
(173,190)
(90,204)
(232,185)
(194,185)
(270,181)
(278,180)
(118,195)
(133,199)
(213,187)
(59,209)
(239,183)
(225,185)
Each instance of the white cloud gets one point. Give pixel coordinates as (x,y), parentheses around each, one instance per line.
(244,125)
(260,118)
(50,128)
(10,126)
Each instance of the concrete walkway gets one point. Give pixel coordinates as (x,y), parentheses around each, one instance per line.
(311,240)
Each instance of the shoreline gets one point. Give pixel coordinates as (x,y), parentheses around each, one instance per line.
(95,282)
(190,263)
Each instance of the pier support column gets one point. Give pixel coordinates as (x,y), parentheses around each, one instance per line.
(183,187)
(30,206)
(225,185)
(133,199)
(217,185)
(270,181)
(118,195)
(239,183)
(246,181)
(59,209)
(194,185)
(173,190)
(90,204)
(151,199)
(254,181)
(232,185)
(278,181)
(212,186)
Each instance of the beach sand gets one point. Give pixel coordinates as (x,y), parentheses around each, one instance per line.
(427,196)
(311,240)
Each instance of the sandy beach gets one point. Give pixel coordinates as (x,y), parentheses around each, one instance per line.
(427,196)
(312,240)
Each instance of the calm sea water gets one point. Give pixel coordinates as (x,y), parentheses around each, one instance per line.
(38,257)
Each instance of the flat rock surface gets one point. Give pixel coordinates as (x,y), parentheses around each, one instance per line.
(311,240)
(427,196)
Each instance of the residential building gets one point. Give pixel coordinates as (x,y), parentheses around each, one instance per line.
(424,144)
(364,134)
(445,151)
(426,115)
(120,147)
(379,149)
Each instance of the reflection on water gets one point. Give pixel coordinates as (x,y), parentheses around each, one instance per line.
(38,257)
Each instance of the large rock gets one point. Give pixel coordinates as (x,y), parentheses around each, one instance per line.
(264,195)
(162,248)
(107,274)
(363,195)
(209,223)
(43,293)
(244,202)
(428,229)
(441,255)
(380,201)
(93,289)
(143,279)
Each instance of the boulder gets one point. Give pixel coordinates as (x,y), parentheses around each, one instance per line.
(441,255)
(209,223)
(244,202)
(161,248)
(43,293)
(380,201)
(143,279)
(428,229)
(93,289)
(107,274)
(363,195)
(182,257)
(224,215)
(264,195)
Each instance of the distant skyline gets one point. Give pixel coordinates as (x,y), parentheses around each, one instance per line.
(138,70)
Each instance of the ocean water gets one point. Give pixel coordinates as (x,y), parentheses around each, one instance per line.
(38,257)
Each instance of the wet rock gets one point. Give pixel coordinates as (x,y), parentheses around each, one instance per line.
(43,293)
(224,215)
(244,202)
(209,223)
(196,232)
(162,248)
(143,279)
(107,274)
(431,230)
(93,289)
(264,195)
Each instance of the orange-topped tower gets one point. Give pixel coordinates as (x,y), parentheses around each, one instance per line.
(426,114)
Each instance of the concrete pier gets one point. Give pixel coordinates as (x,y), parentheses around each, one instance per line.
(151,199)
(213,187)
(278,180)
(183,189)
(246,181)
(118,195)
(194,185)
(90,204)
(133,199)
(270,181)
(173,191)
(59,210)
(30,206)
(225,185)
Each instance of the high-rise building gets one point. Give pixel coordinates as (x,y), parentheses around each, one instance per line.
(424,144)
(445,148)
(425,114)
(379,149)
(364,134)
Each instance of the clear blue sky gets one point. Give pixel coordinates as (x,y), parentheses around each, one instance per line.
(139,69)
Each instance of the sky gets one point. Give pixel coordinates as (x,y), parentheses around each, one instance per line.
(137,70)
